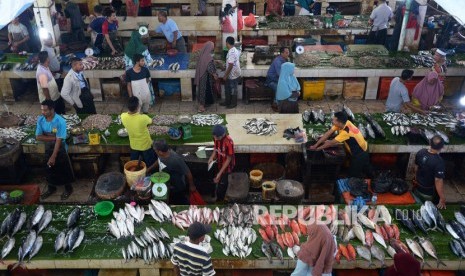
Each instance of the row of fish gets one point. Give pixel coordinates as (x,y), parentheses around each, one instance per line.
(160,211)
(205,215)
(430,133)
(236,215)
(260,126)
(205,244)
(236,241)
(69,240)
(426,219)
(272,249)
(151,245)
(174,67)
(433,119)
(124,220)
(206,119)
(400,130)
(314,116)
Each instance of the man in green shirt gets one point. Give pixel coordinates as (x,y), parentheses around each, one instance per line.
(139,136)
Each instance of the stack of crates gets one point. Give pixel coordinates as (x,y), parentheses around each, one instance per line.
(312,89)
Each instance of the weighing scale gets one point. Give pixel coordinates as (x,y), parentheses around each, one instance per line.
(160,189)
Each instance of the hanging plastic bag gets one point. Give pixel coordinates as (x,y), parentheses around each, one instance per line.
(250,21)
(226,26)
(196,199)
(240,21)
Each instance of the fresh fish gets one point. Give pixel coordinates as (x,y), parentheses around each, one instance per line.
(296,249)
(378,238)
(457,248)
(385,215)
(277,252)
(452,231)
(460,218)
(351,252)
(13,221)
(378,254)
(73,218)
(359,233)
(20,223)
(366,221)
(36,247)
(441,222)
(416,248)
(391,251)
(60,241)
(398,246)
(7,247)
(363,130)
(443,135)
(405,221)
(429,248)
(365,253)
(4,227)
(79,239)
(114,230)
(426,217)
(462,209)
(349,112)
(37,215)
(370,131)
(369,238)
(266,249)
(291,253)
(340,231)
(44,221)
(27,245)
(418,222)
(348,234)
(458,228)
(72,238)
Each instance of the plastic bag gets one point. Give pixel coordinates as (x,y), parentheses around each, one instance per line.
(382,184)
(226,26)
(399,186)
(250,21)
(358,187)
(196,199)
(240,21)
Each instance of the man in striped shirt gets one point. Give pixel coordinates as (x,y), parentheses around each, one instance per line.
(190,258)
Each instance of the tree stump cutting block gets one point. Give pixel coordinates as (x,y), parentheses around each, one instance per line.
(110,185)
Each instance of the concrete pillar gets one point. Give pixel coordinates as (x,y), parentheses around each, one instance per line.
(43,16)
(372,88)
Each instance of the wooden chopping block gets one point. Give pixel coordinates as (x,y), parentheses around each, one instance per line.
(110,185)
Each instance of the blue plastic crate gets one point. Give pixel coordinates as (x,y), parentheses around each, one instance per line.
(169,86)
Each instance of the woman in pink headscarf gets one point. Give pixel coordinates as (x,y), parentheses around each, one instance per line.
(428,92)
(205,75)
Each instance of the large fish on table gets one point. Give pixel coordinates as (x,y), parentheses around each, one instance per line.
(457,249)
(7,247)
(378,254)
(73,218)
(37,216)
(404,218)
(418,221)
(429,248)
(26,248)
(416,249)
(460,218)
(365,253)
(266,249)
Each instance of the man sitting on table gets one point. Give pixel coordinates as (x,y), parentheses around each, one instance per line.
(173,164)
(398,94)
(429,173)
(272,76)
(171,31)
(139,136)
(355,143)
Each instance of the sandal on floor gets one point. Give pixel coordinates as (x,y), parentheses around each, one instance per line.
(65,195)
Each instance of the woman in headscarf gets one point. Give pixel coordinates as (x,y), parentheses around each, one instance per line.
(205,75)
(428,91)
(135,46)
(316,255)
(306,6)
(404,265)
(288,90)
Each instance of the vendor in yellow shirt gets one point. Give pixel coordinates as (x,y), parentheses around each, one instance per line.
(353,139)
(139,136)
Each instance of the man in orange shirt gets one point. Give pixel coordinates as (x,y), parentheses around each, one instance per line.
(353,139)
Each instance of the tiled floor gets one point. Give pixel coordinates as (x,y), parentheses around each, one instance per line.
(454,189)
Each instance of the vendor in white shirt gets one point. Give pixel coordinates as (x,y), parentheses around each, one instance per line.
(17,36)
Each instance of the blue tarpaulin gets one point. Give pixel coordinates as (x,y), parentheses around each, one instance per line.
(11,9)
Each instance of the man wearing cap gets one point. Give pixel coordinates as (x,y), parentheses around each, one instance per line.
(440,66)
(223,153)
(173,164)
(190,258)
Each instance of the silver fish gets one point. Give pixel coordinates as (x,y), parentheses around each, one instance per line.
(359,233)
(452,231)
(290,253)
(391,251)
(432,211)
(365,253)
(362,129)
(385,215)
(36,247)
(379,239)
(73,218)
(366,221)
(349,112)
(416,248)
(378,253)
(20,223)
(426,217)
(7,247)
(429,248)
(370,131)
(457,248)
(266,249)
(277,252)
(37,216)
(46,219)
(460,218)
(72,238)
(60,241)
(26,247)
(79,239)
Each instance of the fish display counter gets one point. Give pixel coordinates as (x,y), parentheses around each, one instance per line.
(242,237)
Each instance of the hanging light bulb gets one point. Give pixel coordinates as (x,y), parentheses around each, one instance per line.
(462,101)
(43,33)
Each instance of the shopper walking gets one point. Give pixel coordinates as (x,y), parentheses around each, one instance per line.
(46,84)
(316,255)
(224,155)
(232,74)
(51,129)
(76,90)
(205,76)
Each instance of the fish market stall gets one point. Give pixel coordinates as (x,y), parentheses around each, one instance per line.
(66,237)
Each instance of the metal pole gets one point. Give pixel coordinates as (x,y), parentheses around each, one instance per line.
(404,25)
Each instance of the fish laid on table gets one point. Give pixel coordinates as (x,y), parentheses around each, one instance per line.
(416,249)
(365,253)
(369,238)
(236,241)
(379,239)
(399,246)
(417,221)
(429,248)
(19,223)
(206,119)
(359,233)
(174,67)
(349,112)
(36,247)
(277,252)
(460,218)
(366,221)
(363,130)
(426,217)
(73,217)
(60,241)
(37,216)
(458,228)
(266,250)
(451,231)
(385,215)
(185,218)
(26,247)
(391,251)
(260,126)
(45,221)
(7,247)
(457,248)
(160,211)
(406,221)
(237,215)
(378,254)
(370,131)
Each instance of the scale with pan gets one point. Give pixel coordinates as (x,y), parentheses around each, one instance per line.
(160,185)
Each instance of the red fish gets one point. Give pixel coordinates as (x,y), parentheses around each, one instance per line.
(261,220)
(280,241)
(396,231)
(338,256)
(371,213)
(264,235)
(389,230)
(269,232)
(381,232)
(344,251)
(290,239)
(369,238)
(281,224)
(275,229)
(295,227)
(296,238)
(351,251)
(302,226)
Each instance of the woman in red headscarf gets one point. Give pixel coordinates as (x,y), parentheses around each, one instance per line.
(205,74)
(316,255)
(404,265)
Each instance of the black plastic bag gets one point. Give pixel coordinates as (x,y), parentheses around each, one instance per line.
(399,186)
(358,186)
(382,183)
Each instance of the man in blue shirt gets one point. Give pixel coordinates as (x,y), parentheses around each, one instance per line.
(51,129)
(272,76)
(96,27)
(398,97)
(169,28)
